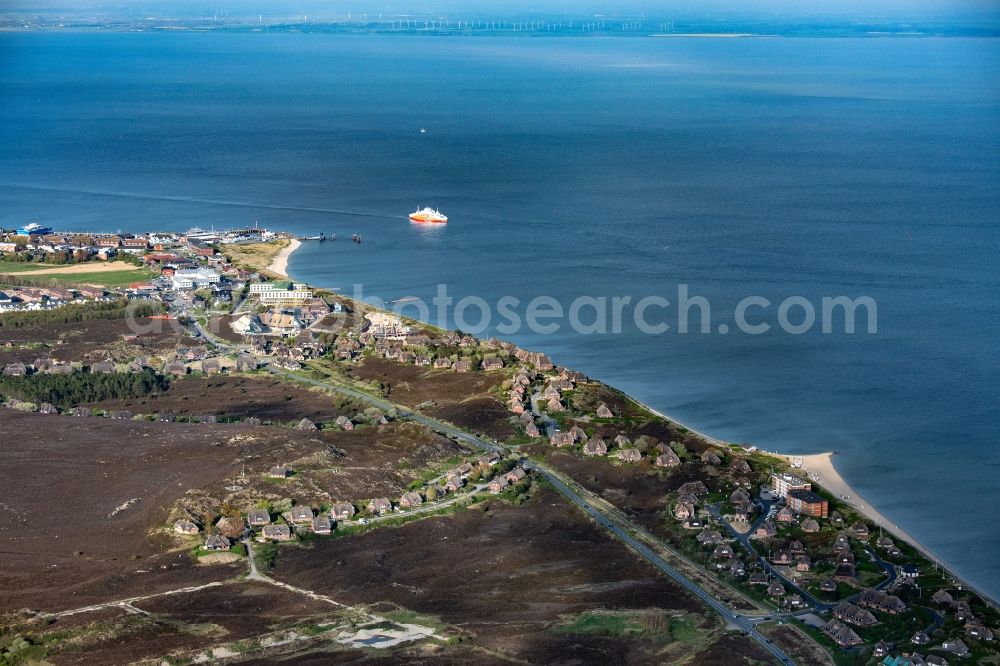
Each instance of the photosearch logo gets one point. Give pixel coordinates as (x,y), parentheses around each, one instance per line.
(683,314)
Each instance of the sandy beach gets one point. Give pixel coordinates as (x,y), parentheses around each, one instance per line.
(820,469)
(279,265)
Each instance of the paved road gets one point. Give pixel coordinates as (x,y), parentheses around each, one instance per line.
(644,551)
(472,440)
(744,540)
(663,566)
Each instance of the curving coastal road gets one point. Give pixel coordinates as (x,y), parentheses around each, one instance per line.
(745,624)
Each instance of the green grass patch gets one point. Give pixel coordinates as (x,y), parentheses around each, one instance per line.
(265,555)
(652,623)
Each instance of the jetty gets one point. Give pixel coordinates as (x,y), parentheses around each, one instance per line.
(321,237)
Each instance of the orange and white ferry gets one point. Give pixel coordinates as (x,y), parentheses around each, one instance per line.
(426,215)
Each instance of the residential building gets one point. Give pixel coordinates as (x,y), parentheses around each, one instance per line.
(808,503)
(782,483)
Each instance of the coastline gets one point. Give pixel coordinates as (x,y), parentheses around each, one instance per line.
(279,265)
(819,467)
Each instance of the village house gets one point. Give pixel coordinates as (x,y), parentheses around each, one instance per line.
(342,511)
(453,484)
(841,634)
(860,531)
(758,578)
(775,589)
(630,455)
(561,439)
(578,433)
(962,610)
(463,365)
(785,515)
(410,500)
(622,440)
(301,514)
(709,537)
(943,598)
(344,423)
(185,527)
(47,408)
(561,385)
(920,638)
(103,368)
(305,424)
(740,466)
(739,496)
(684,510)
(828,585)
(882,601)
(668,459)
(531,430)
(498,484)
(742,512)
(723,552)
(809,525)
(696,488)
(176,368)
(845,573)
(462,470)
(604,412)
(765,530)
(492,363)
(217,542)
(442,362)
(782,557)
(978,630)
(322,525)
(43,364)
(803,564)
(848,612)
(258,518)
(279,532)
(555,405)
(231,527)
(279,472)
(595,447)
(379,506)
(711,457)
(489,459)
(542,362)
(737,569)
(956,647)
(516,475)
(793,601)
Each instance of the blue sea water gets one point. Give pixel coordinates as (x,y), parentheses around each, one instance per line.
(595,167)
